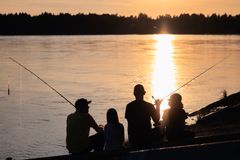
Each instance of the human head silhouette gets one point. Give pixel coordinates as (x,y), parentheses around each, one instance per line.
(81,105)
(175,100)
(139,91)
(112,116)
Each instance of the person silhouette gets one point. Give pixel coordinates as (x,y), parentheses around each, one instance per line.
(113,132)
(139,114)
(78,127)
(174,119)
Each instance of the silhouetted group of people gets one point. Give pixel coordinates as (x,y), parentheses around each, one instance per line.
(139,115)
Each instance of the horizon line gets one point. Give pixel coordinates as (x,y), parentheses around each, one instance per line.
(116,14)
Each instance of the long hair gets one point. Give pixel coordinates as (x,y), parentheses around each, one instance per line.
(112,116)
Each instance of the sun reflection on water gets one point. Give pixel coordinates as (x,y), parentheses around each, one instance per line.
(163,76)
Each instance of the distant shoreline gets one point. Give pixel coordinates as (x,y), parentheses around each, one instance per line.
(5,35)
(18,35)
(108,24)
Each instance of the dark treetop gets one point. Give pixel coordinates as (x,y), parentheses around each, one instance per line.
(89,24)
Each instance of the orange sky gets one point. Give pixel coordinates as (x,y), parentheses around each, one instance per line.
(152,8)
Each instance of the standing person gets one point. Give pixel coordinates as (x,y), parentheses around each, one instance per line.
(174,119)
(139,114)
(78,127)
(113,132)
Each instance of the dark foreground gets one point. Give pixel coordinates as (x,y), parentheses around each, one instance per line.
(222,150)
(217,137)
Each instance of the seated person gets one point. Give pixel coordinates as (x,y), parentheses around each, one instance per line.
(139,114)
(174,119)
(113,132)
(78,127)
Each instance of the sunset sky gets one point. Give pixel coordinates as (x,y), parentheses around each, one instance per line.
(153,8)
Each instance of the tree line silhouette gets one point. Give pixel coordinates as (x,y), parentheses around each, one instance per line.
(89,24)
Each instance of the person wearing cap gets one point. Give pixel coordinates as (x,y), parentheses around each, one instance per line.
(78,127)
(139,114)
(174,119)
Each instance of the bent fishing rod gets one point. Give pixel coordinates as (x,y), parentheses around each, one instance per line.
(41,80)
(206,70)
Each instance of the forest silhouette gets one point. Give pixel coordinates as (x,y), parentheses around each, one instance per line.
(94,24)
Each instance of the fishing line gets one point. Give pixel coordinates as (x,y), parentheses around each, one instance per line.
(206,70)
(41,80)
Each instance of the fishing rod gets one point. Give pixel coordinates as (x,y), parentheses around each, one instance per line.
(41,80)
(206,70)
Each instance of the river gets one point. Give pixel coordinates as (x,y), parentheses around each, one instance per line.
(103,69)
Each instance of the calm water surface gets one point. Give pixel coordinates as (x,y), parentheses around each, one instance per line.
(103,69)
